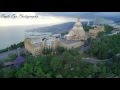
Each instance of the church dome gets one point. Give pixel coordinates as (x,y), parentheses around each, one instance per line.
(77,31)
(74,28)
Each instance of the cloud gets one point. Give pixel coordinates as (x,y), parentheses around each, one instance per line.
(50,18)
(108,14)
(41,20)
(64,14)
(81,14)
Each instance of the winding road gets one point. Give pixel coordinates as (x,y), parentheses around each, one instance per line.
(95,60)
(6,54)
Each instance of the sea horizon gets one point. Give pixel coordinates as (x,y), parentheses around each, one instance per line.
(13,34)
(10,35)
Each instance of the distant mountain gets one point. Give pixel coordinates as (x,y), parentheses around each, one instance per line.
(56,28)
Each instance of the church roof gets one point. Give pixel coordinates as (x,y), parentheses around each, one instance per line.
(69,41)
(77,29)
(78,23)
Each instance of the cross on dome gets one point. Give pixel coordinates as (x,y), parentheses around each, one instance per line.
(78,19)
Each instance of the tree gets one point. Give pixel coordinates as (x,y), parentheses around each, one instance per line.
(1,73)
(4,50)
(60,50)
(47,75)
(77,61)
(12,47)
(59,76)
(12,56)
(87,28)
(1,64)
(56,64)
(22,53)
(64,33)
(106,47)
(100,34)
(103,71)
(74,51)
(47,51)
(21,44)
(108,29)
(45,63)
(38,72)
(30,60)
(8,73)
(26,71)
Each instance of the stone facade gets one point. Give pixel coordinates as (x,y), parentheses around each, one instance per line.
(94,32)
(36,45)
(70,44)
(35,49)
(75,38)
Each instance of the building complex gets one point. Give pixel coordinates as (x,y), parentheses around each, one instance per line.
(74,39)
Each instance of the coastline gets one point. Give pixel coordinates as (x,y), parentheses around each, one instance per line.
(12,47)
(6,54)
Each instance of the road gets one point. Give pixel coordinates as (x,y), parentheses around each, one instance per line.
(85,47)
(92,59)
(95,60)
(6,54)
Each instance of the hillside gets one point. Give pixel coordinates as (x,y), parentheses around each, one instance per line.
(56,28)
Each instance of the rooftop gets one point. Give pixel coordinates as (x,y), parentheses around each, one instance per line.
(69,41)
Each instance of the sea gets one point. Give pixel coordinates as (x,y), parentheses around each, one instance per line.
(13,35)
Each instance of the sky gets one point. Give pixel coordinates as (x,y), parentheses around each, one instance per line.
(49,18)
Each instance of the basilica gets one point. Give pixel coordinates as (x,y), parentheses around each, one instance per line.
(77,32)
(74,39)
